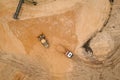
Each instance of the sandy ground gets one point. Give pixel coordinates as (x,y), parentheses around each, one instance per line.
(66,27)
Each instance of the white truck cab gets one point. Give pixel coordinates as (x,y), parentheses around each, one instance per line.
(69,54)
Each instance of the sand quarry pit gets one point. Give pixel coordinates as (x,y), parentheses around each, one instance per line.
(90,29)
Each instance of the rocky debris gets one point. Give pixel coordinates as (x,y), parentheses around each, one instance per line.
(102,45)
(105,43)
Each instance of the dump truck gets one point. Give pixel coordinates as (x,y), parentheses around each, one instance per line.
(43,40)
